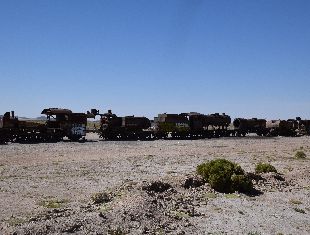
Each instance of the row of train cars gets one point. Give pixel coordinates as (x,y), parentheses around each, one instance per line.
(60,123)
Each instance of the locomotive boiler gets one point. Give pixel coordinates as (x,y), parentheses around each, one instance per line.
(244,126)
(113,127)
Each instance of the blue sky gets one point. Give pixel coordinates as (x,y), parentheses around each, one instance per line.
(243,57)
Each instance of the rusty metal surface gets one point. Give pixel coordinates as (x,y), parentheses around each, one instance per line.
(53,111)
(279,124)
(171,118)
(242,123)
(198,120)
(137,122)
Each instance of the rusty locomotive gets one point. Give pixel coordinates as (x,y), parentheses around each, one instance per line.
(59,123)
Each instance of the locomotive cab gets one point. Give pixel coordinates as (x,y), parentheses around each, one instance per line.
(72,125)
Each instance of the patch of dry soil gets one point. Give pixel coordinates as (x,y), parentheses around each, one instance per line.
(47,188)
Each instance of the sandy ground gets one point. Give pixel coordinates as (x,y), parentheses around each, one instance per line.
(47,188)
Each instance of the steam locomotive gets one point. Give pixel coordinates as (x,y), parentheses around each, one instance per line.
(59,123)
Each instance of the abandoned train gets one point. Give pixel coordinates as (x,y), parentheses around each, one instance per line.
(194,126)
(62,123)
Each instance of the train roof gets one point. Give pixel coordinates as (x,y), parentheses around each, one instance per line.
(52,111)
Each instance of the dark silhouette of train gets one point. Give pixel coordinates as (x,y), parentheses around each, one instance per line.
(194,126)
(62,123)
(59,123)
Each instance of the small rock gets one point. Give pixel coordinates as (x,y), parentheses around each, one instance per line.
(157,187)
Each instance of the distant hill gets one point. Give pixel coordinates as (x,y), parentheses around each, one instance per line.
(23,118)
(41,118)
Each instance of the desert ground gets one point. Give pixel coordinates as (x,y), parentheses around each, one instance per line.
(105,187)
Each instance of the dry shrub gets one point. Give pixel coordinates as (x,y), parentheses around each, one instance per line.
(300,155)
(225,176)
(264,168)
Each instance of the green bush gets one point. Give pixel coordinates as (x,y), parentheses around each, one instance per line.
(264,168)
(224,176)
(300,154)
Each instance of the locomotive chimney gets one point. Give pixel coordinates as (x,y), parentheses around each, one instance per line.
(94,111)
(12,114)
(110,111)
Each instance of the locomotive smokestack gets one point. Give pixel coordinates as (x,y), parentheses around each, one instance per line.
(110,111)
(12,114)
(94,111)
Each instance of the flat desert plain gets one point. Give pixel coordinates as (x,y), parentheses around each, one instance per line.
(151,187)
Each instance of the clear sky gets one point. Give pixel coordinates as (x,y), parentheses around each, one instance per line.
(248,58)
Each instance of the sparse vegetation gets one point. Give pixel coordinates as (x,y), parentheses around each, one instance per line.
(210,195)
(117,231)
(300,155)
(299,210)
(232,196)
(180,215)
(254,233)
(225,176)
(264,168)
(14,221)
(99,198)
(53,203)
(296,202)
(104,208)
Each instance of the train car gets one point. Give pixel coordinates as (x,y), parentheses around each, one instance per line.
(67,123)
(175,126)
(4,134)
(25,131)
(191,125)
(113,127)
(212,125)
(244,126)
(303,126)
(282,127)
(60,123)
